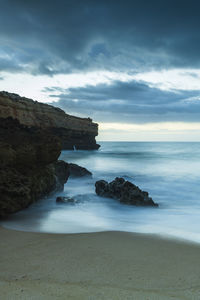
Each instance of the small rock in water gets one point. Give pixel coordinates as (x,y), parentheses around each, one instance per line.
(78,171)
(125,191)
(66,200)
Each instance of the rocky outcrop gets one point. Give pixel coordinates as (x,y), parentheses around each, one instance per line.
(32,135)
(125,191)
(74,132)
(29,168)
(78,171)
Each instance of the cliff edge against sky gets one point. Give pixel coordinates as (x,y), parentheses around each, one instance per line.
(32,136)
(72,131)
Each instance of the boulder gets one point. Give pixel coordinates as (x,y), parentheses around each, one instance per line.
(124,191)
(78,171)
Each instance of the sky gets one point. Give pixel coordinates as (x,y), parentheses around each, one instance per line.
(132,66)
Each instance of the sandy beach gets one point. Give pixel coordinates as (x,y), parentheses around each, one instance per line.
(107,265)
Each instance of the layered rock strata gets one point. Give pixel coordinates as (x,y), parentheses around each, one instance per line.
(74,132)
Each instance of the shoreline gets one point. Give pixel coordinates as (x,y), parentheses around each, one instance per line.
(159,236)
(103,265)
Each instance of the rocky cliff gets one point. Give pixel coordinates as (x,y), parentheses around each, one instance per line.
(72,131)
(29,168)
(32,136)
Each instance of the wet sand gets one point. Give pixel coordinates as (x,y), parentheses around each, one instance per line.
(107,265)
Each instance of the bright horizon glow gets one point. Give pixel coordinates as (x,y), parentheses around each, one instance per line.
(170,126)
(167,131)
(177,79)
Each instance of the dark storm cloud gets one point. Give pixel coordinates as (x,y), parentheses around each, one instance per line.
(65,36)
(130,102)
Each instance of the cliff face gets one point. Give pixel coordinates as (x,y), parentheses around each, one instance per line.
(32,136)
(72,131)
(29,168)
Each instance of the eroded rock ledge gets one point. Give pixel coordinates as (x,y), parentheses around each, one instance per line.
(72,131)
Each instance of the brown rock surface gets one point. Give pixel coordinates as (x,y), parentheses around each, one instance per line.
(32,135)
(29,168)
(73,131)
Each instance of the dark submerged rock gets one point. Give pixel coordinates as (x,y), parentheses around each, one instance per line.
(125,191)
(70,200)
(78,171)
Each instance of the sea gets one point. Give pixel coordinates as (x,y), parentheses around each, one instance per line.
(169,171)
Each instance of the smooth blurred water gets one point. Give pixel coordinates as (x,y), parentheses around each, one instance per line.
(169,171)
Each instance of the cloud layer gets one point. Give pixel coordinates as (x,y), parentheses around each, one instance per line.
(130,102)
(65,36)
(139,40)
